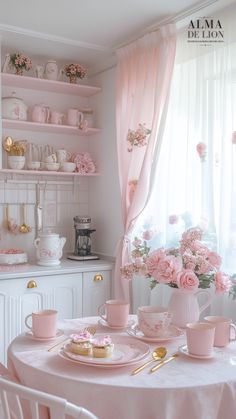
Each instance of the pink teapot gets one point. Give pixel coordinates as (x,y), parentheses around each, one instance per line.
(40,113)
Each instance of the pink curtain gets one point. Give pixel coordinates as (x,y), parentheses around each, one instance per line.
(143,83)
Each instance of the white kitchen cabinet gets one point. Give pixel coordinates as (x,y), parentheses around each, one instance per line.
(17,300)
(96,290)
(73,294)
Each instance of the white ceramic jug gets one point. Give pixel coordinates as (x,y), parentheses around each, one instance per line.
(185,306)
(49,249)
(51,71)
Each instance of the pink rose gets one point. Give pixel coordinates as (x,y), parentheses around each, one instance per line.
(186,279)
(201,149)
(153,260)
(222,282)
(148,234)
(214,259)
(168,269)
(173,219)
(200,248)
(234,137)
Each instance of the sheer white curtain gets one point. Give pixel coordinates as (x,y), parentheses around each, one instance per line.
(190,189)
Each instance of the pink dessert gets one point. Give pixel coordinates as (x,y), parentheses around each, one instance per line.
(102,347)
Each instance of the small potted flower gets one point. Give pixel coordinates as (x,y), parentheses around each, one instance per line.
(20,62)
(74,71)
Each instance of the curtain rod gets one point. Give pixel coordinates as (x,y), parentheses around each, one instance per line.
(173,19)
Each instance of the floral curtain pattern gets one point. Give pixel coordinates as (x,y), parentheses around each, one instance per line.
(143,82)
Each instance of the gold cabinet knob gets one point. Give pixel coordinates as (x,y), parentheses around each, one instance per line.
(98,277)
(32,284)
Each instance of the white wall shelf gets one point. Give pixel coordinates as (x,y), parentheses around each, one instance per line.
(58,129)
(46,173)
(60,87)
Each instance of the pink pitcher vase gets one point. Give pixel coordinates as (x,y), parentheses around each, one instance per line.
(185,306)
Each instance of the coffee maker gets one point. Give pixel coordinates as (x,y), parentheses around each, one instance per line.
(83,230)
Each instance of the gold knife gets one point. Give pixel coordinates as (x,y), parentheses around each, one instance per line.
(171,358)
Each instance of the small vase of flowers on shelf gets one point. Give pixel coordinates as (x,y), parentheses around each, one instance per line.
(74,72)
(20,62)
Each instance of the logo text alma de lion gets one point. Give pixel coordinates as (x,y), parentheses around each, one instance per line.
(205,28)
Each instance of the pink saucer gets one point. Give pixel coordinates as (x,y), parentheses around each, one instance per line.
(184,350)
(58,334)
(173,332)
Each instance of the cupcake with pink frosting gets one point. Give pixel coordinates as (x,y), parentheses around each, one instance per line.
(81,343)
(102,347)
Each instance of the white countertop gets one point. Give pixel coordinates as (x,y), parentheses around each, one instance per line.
(66,266)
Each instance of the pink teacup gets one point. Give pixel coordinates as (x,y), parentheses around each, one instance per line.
(153,321)
(116,312)
(56,118)
(223,327)
(44,323)
(200,338)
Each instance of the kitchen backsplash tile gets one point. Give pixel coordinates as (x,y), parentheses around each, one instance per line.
(60,204)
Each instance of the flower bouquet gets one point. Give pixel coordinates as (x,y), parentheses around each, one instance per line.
(20,62)
(138,138)
(189,267)
(84,163)
(74,71)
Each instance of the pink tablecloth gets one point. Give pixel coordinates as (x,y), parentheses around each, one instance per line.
(185,388)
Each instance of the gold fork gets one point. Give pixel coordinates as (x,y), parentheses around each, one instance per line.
(90,329)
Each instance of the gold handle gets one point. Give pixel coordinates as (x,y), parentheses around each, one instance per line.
(98,277)
(163,363)
(32,284)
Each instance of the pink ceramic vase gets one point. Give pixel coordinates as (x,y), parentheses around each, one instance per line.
(185,306)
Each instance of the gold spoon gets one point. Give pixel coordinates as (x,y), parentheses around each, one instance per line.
(157,354)
(23,227)
(7,143)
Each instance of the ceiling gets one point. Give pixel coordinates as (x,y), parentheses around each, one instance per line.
(84,31)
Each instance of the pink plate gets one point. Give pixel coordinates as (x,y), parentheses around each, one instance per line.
(184,350)
(172,333)
(126,352)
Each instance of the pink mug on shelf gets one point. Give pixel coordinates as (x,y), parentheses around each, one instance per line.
(63,155)
(56,118)
(44,323)
(74,117)
(116,313)
(223,326)
(40,114)
(200,338)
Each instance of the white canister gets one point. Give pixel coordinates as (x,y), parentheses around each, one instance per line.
(14,108)
(49,249)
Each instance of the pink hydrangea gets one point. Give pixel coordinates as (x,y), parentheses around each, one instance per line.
(84,163)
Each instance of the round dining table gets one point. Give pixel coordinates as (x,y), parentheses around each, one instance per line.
(185,388)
